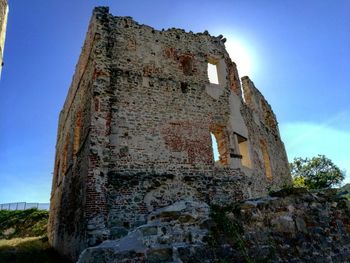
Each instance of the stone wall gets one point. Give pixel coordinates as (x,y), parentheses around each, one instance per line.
(292,225)
(3,24)
(135,131)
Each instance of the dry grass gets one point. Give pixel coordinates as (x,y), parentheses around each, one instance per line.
(23,238)
(28,250)
(19,242)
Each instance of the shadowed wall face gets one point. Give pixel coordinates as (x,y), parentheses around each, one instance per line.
(135,132)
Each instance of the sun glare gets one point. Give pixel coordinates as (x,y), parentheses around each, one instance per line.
(241,55)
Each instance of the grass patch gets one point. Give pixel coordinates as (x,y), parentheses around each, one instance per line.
(28,250)
(24,223)
(23,238)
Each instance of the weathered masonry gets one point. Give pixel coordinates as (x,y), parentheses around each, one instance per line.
(135,131)
(3,24)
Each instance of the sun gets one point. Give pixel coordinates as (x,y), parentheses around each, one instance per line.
(241,54)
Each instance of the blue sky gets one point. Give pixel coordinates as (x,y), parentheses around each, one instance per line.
(297,53)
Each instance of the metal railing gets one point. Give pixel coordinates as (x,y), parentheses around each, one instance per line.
(24,206)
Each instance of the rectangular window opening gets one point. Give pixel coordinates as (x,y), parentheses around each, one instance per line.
(213,73)
(243,147)
(215,148)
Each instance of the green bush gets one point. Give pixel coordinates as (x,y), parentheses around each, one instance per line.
(316,173)
(24,223)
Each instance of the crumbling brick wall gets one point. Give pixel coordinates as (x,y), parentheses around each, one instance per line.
(72,186)
(134,132)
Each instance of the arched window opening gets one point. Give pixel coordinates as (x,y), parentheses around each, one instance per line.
(219,145)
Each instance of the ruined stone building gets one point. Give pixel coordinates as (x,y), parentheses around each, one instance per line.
(135,131)
(3,24)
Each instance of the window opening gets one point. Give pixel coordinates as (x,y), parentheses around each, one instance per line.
(213,73)
(215,148)
(243,147)
(220,146)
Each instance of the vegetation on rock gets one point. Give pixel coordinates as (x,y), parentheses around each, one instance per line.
(344,191)
(291,225)
(227,229)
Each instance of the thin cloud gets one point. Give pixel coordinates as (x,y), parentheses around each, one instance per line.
(306,139)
